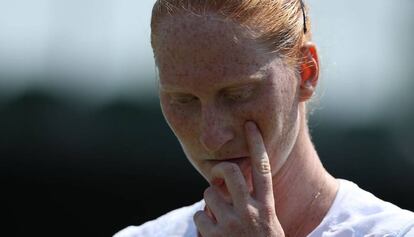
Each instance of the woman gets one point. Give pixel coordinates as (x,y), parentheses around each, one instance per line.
(234,79)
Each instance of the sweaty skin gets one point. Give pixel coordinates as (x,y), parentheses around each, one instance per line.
(210,86)
(213,80)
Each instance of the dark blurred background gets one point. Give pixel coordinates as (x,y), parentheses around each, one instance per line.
(84,149)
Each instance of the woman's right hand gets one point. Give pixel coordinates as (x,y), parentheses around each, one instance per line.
(248,215)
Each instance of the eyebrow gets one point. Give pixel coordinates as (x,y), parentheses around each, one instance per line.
(255,78)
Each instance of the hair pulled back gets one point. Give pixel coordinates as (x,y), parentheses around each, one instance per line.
(279,25)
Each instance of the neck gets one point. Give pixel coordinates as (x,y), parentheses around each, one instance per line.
(303,189)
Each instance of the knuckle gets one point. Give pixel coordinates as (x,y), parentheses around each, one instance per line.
(243,191)
(231,223)
(264,166)
(231,168)
(267,213)
(196,217)
(250,213)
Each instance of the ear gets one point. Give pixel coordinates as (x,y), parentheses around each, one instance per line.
(309,71)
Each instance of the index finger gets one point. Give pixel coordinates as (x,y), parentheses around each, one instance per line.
(261,171)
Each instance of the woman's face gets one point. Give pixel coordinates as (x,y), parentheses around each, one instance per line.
(212,80)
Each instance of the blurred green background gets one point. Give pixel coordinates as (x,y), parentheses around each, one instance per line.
(84,150)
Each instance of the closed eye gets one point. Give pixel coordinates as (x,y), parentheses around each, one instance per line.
(182,98)
(240,94)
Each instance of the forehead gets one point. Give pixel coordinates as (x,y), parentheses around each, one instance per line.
(206,47)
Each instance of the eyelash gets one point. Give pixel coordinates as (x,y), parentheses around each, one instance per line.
(240,96)
(183,99)
(233,97)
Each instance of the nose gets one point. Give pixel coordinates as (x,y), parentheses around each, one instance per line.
(216,130)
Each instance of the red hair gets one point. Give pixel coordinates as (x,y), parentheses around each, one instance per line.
(278,25)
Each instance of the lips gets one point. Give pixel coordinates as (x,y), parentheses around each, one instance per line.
(242,162)
(236,160)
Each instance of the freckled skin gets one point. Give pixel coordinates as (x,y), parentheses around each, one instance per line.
(200,57)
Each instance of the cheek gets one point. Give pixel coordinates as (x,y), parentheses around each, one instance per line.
(272,112)
(183,122)
(269,122)
(265,111)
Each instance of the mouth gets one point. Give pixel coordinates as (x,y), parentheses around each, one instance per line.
(242,162)
(244,165)
(236,160)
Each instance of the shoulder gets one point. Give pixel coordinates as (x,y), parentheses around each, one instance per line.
(356,212)
(177,223)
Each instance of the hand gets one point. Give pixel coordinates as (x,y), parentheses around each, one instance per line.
(248,215)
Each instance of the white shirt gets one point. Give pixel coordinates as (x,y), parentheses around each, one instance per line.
(354,213)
